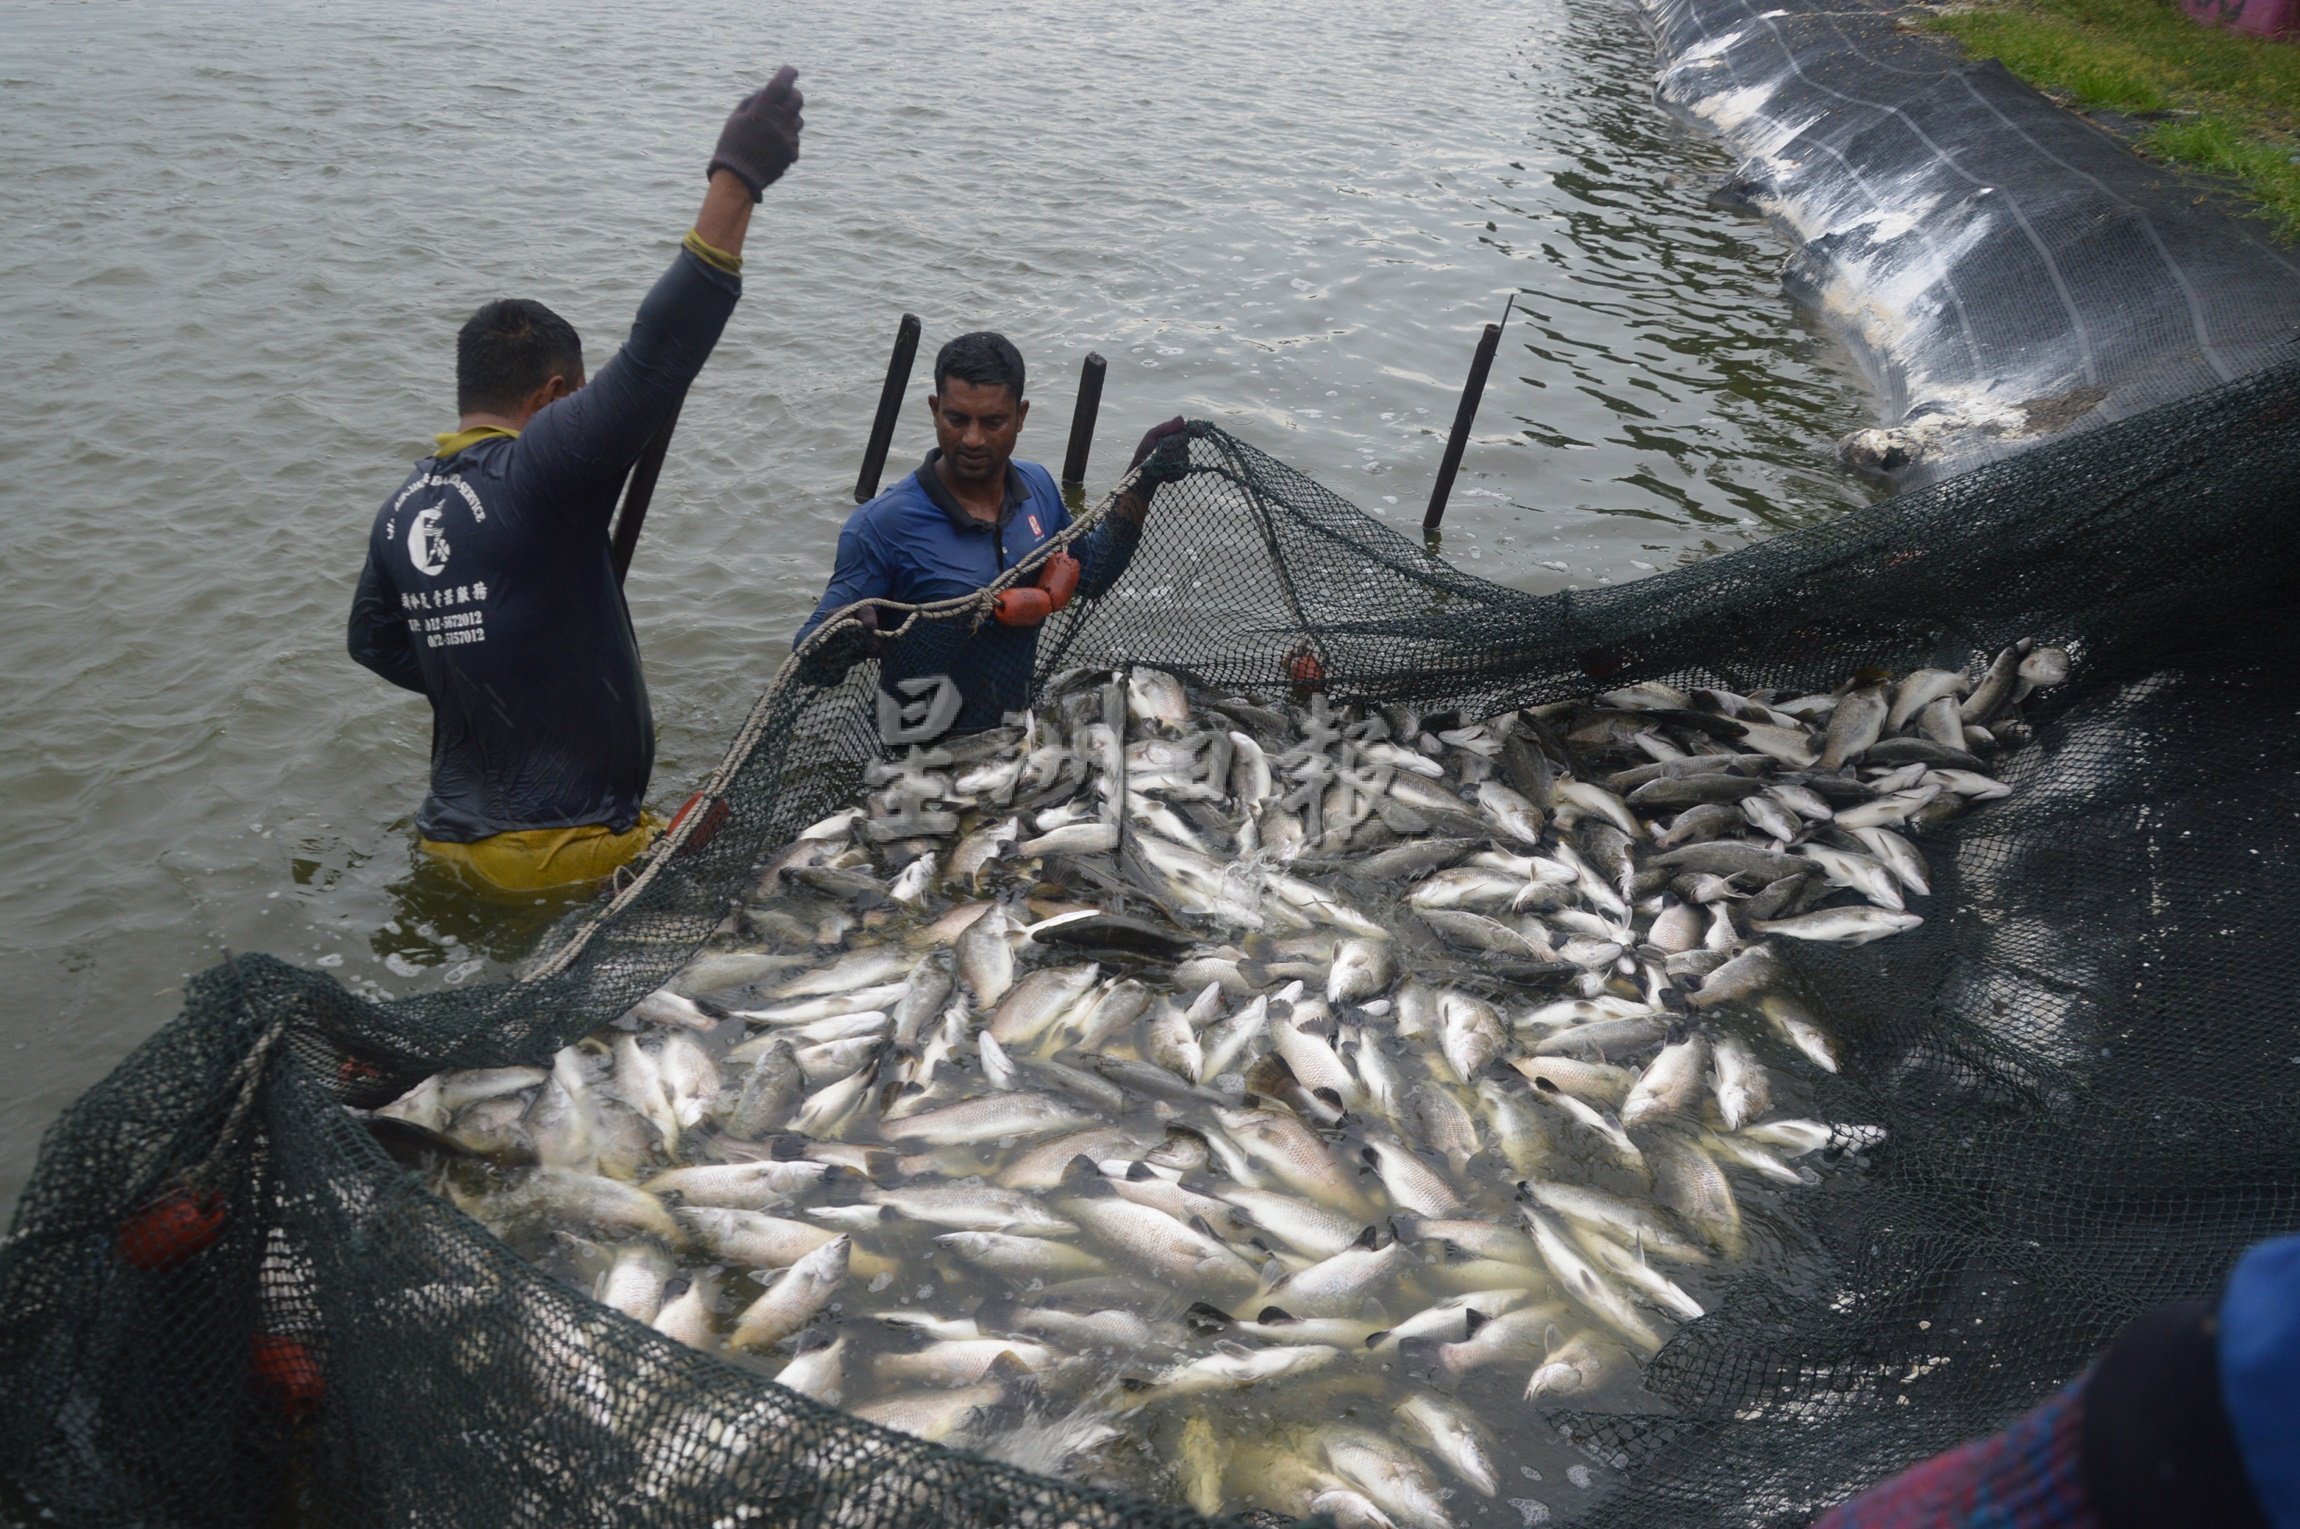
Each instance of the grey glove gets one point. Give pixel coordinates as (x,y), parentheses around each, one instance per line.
(761,138)
(1166,451)
(845,645)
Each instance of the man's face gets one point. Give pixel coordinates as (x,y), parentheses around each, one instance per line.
(975,424)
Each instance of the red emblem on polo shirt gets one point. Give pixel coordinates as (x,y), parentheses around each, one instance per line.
(1034,527)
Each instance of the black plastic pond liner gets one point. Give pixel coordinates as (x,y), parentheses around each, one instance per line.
(221,1304)
(2006,269)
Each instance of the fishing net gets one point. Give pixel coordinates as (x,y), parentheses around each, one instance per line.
(222,1303)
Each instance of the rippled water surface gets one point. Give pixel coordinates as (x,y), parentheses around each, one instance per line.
(239,239)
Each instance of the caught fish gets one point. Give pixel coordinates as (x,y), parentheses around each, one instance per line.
(1842,926)
(1670,1082)
(794,1297)
(1156,1045)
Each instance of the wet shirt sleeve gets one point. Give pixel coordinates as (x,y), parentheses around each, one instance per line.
(862,572)
(575,452)
(378,637)
(1104,552)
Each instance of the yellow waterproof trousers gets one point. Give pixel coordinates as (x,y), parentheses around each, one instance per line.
(545,859)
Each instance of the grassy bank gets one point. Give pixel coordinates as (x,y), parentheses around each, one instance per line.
(2201,97)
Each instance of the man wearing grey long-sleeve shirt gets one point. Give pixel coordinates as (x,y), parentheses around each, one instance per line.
(490,586)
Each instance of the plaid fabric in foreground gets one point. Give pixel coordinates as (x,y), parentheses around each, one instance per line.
(2026,1477)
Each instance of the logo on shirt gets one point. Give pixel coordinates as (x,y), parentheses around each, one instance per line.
(1034,529)
(427,542)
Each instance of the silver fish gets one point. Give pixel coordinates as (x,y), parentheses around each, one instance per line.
(1576,1367)
(633,1282)
(985,959)
(1032,1005)
(1338,1285)
(1799,1028)
(988,1118)
(1743,1090)
(1670,1083)
(751,1239)
(819,1371)
(1858,872)
(1598,1083)
(1362,969)
(1858,722)
(794,1298)
(1469,1033)
(1452,1433)
(1579,1279)
(1388,1473)
(1996,686)
(1162,1246)
(1920,689)
(1687,1181)
(1842,926)
(1022,1258)
(1409,1181)
(939,1417)
(973,1208)
(739,1186)
(860,969)
(1168,1041)
(686,1317)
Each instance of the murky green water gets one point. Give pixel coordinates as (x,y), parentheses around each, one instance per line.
(239,239)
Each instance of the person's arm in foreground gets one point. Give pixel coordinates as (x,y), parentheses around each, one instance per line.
(2192,1416)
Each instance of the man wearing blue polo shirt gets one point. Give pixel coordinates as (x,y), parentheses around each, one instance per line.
(966,516)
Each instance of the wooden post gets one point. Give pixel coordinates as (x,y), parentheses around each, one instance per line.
(1082,421)
(889,404)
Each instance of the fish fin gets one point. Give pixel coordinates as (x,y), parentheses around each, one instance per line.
(1082,1171)
(1471,1320)
(1136,1173)
(1271,1315)
(1369,1239)
(1207,1317)
(1374,1339)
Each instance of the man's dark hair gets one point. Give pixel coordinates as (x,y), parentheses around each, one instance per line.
(984,358)
(507,350)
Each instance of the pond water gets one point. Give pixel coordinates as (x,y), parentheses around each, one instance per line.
(241,239)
